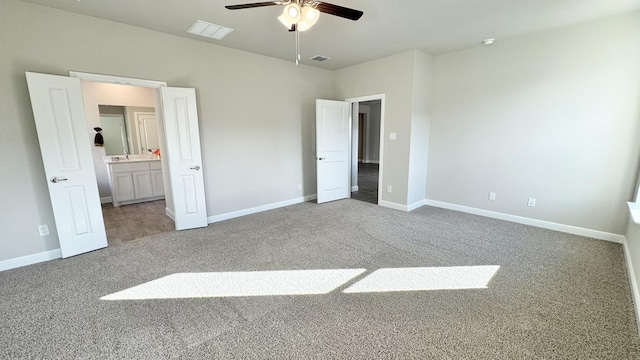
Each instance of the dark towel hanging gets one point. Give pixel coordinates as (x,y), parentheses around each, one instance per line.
(99,140)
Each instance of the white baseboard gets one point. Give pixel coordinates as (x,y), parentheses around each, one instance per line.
(596,234)
(392,205)
(30,259)
(416,205)
(105,200)
(354,188)
(635,293)
(401,207)
(257,209)
(170,213)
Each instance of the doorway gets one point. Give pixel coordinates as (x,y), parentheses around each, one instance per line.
(129,131)
(59,107)
(367,121)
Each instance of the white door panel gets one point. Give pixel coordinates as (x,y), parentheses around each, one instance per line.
(63,134)
(332,150)
(185,160)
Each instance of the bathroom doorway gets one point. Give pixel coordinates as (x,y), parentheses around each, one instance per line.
(366,135)
(126,115)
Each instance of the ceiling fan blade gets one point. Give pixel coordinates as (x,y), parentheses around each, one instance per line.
(341,11)
(252,5)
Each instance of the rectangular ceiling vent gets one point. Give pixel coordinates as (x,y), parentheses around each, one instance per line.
(203,28)
(319,58)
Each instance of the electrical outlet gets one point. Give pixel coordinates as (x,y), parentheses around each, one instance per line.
(492,196)
(299,186)
(532,202)
(389,188)
(43,230)
(392,136)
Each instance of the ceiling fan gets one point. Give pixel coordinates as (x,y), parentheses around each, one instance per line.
(301,15)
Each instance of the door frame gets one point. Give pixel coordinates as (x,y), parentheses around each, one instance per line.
(354,104)
(120,80)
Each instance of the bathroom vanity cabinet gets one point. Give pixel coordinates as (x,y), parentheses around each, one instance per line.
(134,181)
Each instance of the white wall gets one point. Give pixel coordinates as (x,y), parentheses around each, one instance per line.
(256,113)
(551,115)
(96,94)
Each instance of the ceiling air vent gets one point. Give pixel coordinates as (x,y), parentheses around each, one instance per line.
(203,28)
(319,58)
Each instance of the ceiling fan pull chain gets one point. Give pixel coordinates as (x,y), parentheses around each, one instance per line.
(297,47)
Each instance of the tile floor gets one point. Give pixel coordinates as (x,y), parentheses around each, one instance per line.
(129,222)
(367,183)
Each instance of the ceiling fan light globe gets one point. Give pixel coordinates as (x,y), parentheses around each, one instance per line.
(291,13)
(310,13)
(285,22)
(308,18)
(303,25)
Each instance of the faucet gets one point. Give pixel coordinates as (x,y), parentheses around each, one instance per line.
(126,154)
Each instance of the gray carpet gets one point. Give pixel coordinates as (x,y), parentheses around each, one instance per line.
(555,296)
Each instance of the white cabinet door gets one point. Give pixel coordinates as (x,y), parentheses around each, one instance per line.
(157,183)
(123,186)
(142,184)
(66,153)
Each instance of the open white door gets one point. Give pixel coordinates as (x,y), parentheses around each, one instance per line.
(185,160)
(63,134)
(332,150)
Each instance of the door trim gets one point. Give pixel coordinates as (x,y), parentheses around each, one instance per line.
(116,79)
(380,97)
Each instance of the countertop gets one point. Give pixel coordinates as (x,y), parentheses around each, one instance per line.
(118,159)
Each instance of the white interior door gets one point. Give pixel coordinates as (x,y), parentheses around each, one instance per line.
(332,150)
(185,160)
(63,134)
(147,131)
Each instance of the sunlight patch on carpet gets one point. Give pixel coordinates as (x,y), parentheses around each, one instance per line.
(234,284)
(426,278)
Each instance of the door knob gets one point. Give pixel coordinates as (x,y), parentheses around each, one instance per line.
(195,168)
(56,179)
(321,158)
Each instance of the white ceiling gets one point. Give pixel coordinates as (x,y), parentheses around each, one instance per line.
(386,28)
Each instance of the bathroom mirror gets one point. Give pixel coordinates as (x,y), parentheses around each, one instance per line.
(129,129)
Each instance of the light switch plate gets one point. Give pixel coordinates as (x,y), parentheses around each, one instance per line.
(392,136)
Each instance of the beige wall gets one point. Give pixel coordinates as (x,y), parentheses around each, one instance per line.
(552,115)
(256,113)
(406,80)
(392,76)
(420,125)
